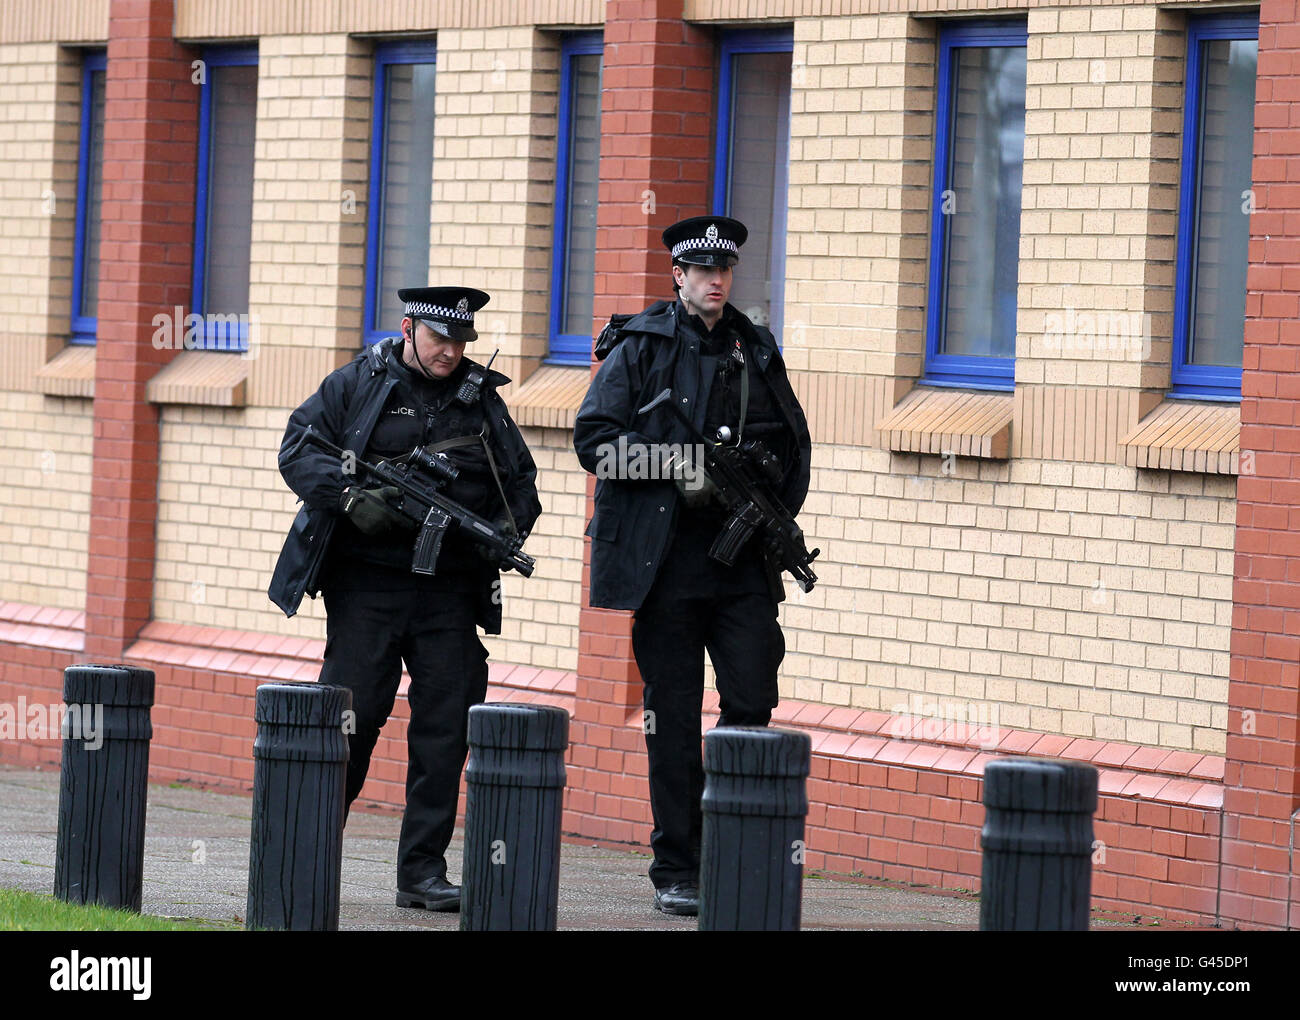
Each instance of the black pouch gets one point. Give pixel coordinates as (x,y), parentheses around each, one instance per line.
(611,335)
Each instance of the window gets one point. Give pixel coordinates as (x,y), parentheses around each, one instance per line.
(975,225)
(90,180)
(751,164)
(577,177)
(1214,205)
(223,227)
(401,183)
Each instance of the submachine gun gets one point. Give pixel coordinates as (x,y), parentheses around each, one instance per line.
(745,475)
(418,476)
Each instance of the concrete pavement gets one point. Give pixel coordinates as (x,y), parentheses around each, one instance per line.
(196,866)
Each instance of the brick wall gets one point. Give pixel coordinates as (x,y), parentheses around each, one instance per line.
(1103,131)
(46,476)
(540,625)
(223,511)
(1080,599)
(150,132)
(1260,785)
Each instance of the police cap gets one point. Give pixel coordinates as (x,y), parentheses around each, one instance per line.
(448,311)
(706,240)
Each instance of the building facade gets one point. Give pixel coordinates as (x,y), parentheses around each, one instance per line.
(1031,266)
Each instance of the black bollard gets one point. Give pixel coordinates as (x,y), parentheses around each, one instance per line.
(103,785)
(1037,842)
(514,797)
(295,858)
(752,848)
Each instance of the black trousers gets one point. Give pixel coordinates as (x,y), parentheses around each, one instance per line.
(669,639)
(368,635)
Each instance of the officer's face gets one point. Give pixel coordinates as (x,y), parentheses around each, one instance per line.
(438,355)
(705,289)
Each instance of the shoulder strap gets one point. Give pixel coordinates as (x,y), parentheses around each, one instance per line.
(492,466)
(452,444)
(481,437)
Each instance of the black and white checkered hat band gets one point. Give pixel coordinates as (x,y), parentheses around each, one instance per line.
(704,244)
(422,309)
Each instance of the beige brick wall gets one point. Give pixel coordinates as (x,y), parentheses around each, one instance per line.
(1102,134)
(39,116)
(1073,597)
(310,189)
(46,471)
(494,183)
(223,512)
(1084,599)
(861,130)
(541,612)
(45,518)
(67,21)
(203,19)
(787,10)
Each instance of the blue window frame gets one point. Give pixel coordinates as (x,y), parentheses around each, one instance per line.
(577,179)
(90,180)
(1213,207)
(401,182)
(223,223)
(975,223)
(751,163)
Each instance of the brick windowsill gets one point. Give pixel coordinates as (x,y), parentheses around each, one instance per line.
(943,421)
(550,397)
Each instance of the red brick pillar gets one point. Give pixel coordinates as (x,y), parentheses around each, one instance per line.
(150,136)
(656,127)
(1260,789)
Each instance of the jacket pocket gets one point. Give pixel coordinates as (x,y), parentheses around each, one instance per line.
(603,525)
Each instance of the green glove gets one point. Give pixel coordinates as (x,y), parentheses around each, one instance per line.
(371,509)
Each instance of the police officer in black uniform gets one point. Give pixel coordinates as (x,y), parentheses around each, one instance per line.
(651,535)
(350,543)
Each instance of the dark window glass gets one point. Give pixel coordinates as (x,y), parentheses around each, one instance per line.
(982,199)
(758,175)
(406,188)
(92,197)
(229,234)
(583,179)
(1222,229)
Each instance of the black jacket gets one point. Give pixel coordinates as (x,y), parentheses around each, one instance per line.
(344,410)
(633,520)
